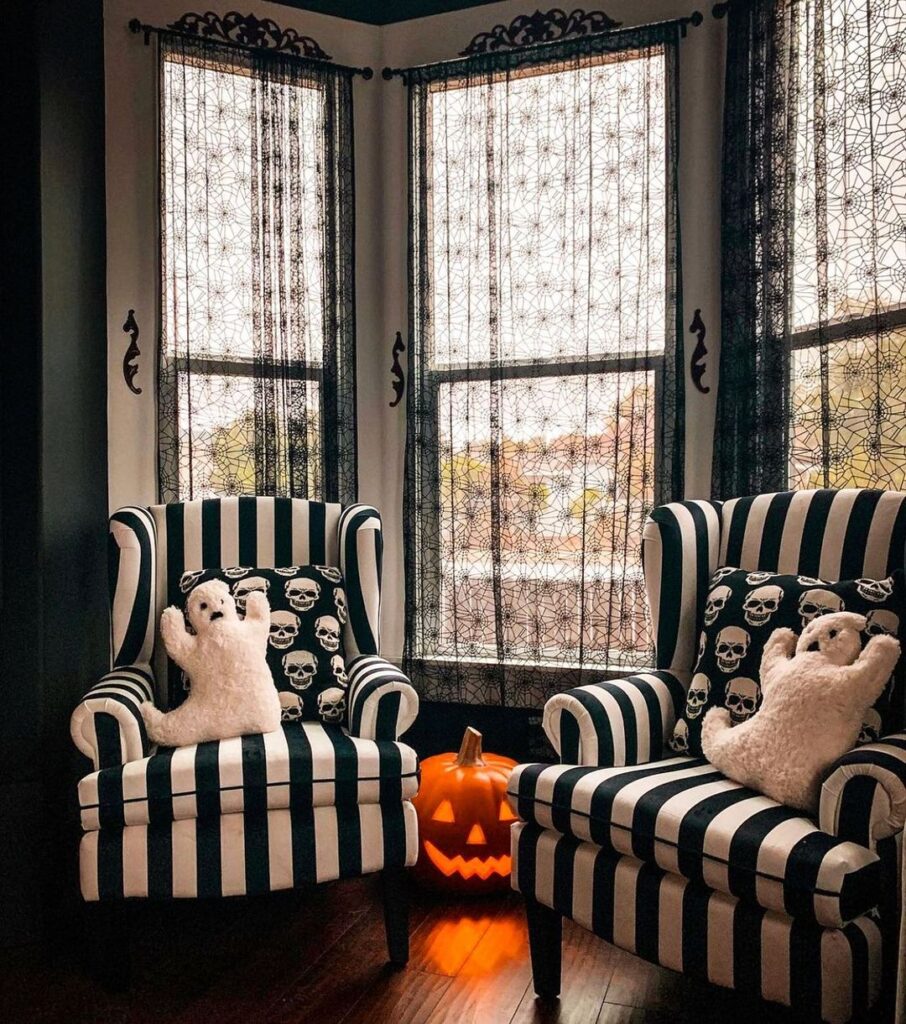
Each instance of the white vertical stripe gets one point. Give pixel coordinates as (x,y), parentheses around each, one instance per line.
(280,849)
(327,844)
(836,969)
(182,782)
(264,542)
(185,864)
(670,922)
(232,854)
(229,772)
(583,885)
(653,550)
(835,533)
(135,860)
(683,655)
(276,765)
(754,531)
(370,580)
(793,527)
(301,549)
(192,535)
(88,866)
(410,819)
(545,849)
(720,935)
(229,531)
(775,958)
(877,547)
(624,886)
(127,578)
(372,832)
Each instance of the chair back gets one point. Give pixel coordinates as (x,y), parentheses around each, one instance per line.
(150,549)
(829,534)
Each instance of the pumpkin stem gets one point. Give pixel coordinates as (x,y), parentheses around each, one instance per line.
(469,755)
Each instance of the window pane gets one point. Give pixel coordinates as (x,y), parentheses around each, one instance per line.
(214,135)
(581,213)
(866,414)
(563,489)
(218,452)
(850,183)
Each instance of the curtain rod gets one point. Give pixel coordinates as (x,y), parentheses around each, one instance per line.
(136,26)
(694,19)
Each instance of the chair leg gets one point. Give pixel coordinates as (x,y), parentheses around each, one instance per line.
(396,914)
(545,927)
(107,943)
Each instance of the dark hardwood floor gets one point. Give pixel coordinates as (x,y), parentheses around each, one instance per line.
(319,956)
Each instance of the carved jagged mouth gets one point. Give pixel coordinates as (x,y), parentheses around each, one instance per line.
(480,867)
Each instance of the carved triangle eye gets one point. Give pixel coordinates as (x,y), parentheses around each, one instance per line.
(506,812)
(444,812)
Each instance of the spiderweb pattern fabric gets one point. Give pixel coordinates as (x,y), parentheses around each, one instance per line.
(814,248)
(256,374)
(545,389)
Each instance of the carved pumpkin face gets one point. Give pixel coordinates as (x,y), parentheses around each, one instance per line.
(464,820)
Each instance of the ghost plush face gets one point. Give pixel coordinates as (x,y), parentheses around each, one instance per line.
(835,640)
(210,605)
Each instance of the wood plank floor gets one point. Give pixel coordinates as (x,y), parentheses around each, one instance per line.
(319,956)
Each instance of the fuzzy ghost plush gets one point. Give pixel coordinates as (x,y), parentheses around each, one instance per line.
(815,693)
(232,691)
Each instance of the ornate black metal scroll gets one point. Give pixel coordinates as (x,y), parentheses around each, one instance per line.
(130,327)
(247,30)
(697,366)
(540,27)
(399,382)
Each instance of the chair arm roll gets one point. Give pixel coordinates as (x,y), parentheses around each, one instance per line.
(382,703)
(107,726)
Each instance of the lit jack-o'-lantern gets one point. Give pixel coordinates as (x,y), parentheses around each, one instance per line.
(464,820)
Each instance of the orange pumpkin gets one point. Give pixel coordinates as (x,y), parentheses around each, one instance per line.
(464,820)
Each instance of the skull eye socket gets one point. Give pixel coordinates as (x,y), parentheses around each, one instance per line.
(444,812)
(506,812)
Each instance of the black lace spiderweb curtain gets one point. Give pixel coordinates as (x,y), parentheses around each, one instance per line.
(545,393)
(813,348)
(256,374)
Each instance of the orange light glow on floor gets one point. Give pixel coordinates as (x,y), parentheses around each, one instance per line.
(480,867)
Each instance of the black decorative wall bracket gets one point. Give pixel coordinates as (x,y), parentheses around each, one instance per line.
(130,369)
(399,381)
(697,365)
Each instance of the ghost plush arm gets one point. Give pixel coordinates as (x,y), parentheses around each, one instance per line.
(179,642)
(258,613)
(870,673)
(780,647)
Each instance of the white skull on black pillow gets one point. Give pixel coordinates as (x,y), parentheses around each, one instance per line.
(302,594)
(697,696)
(332,704)
(761,604)
(329,572)
(731,647)
(300,668)
(286,570)
(290,707)
(814,603)
(327,631)
(875,590)
(755,579)
(338,667)
(284,630)
(236,572)
(339,599)
(742,698)
(882,622)
(679,741)
(714,603)
(189,578)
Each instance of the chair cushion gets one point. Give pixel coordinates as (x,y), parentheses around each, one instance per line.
(743,607)
(302,765)
(684,816)
(305,646)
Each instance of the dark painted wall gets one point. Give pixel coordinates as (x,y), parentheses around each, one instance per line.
(53,459)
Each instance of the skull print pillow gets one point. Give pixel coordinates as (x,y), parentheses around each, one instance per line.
(305,643)
(741,610)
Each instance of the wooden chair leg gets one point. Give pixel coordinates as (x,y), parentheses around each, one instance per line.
(107,943)
(396,914)
(545,927)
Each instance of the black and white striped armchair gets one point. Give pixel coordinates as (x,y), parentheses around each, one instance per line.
(310,803)
(667,859)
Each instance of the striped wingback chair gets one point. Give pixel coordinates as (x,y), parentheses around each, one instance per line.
(310,803)
(669,860)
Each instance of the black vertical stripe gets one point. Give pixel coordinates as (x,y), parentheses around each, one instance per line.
(358,618)
(257,861)
(210,534)
(859,953)
(176,550)
(702,559)
(813,532)
(160,860)
(569,739)
(852,558)
(526,861)
(855,808)
(736,532)
(603,886)
(248,531)
(805,966)
(647,912)
(695,930)
(388,716)
(207,800)
(110,863)
(317,528)
(107,731)
(897,557)
(159,784)
(142,602)
(110,798)
(747,924)
(772,536)
(564,868)
(283,531)
(672,583)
